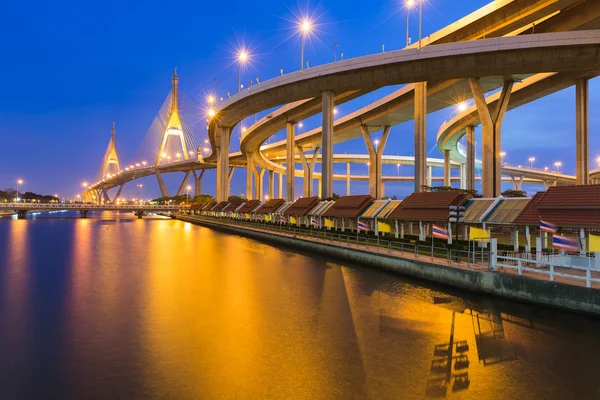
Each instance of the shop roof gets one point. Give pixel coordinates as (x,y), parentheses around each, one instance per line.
(249,206)
(232,206)
(388,209)
(349,206)
(302,206)
(270,206)
(220,206)
(321,207)
(476,209)
(208,206)
(374,209)
(428,206)
(566,206)
(507,210)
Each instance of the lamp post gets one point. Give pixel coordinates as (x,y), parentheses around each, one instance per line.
(138,189)
(398,167)
(304,28)
(420,22)
(502,154)
(188,188)
(242,57)
(531,160)
(19,182)
(408,5)
(558,164)
(335,46)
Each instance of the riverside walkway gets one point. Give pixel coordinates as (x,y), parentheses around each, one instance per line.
(478,261)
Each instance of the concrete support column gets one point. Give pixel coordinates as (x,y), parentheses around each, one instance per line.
(181,190)
(375,164)
(271,184)
(230,176)
(429,175)
(517,182)
(491,124)
(327,144)
(223,163)
(420,134)
(257,182)
(280,186)
(347,179)
(470,166)
(261,185)
(447,168)
(290,161)
(198,182)
(249,173)
(582,132)
(161,184)
(320,188)
(308,167)
(463,176)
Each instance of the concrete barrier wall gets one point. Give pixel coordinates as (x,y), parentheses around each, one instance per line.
(573,298)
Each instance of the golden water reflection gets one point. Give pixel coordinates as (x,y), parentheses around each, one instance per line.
(165,309)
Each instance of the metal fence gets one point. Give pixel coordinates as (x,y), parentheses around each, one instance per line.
(476,257)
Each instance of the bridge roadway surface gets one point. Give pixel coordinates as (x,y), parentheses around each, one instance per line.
(495,19)
(398,107)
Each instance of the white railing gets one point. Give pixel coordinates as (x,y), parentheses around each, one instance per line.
(546,267)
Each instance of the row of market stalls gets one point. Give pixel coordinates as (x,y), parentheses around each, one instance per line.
(573,209)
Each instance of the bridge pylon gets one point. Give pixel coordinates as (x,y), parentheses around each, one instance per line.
(174,127)
(111,158)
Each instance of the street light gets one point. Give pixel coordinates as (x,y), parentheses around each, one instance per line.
(242,58)
(502,154)
(531,160)
(462,106)
(19,182)
(558,164)
(304,29)
(188,188)
(398,166)
(408,5)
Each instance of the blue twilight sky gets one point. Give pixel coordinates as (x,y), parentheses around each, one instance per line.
(71,68)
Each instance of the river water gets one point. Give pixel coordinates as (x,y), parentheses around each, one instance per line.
(112,307)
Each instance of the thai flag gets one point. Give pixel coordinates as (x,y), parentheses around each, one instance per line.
(547,227)
(565,243)
(259,217)
(315,223)
(282,219)
(439,232)
(363,226)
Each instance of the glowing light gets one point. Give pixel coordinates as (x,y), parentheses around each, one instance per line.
(243,56)
(210,99)
(305,26)
(144,163)
(205,140)
(211,113)
(206,149)
(410,3)
(335,111)
(137,164)
(20,181)
(300,125)
(462,106)
(244,129)
(163,155)
(177,155)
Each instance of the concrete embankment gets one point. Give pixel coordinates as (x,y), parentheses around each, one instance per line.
(558,295)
